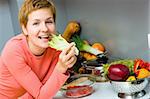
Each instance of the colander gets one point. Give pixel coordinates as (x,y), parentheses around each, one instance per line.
(132,89)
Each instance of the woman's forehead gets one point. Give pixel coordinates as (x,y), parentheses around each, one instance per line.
(43,13)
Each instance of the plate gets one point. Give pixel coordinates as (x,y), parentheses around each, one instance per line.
(79,86)
(78,91)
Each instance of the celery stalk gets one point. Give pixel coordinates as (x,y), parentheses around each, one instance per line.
(59,43)
(85,47)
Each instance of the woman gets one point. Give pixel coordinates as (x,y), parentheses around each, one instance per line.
(29,68)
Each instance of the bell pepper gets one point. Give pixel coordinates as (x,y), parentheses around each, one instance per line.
(147,65)
(138,63)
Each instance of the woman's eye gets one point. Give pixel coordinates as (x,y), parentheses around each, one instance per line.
(36,23)
(49,21)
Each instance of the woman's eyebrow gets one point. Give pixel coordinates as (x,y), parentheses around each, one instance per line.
(49,18)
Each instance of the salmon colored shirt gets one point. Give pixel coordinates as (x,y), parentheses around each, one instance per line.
(22,72)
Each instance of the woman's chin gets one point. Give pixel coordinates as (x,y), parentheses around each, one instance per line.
(44,46)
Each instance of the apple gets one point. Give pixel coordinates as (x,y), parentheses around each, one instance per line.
(118,72)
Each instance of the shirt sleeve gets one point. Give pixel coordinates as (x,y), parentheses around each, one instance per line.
(13,59)
(26,96)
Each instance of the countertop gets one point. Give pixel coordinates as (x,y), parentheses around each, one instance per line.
(103,90)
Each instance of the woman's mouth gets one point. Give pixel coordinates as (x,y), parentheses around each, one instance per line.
(44,38)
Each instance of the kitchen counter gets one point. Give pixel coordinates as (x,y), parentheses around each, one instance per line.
(105,91)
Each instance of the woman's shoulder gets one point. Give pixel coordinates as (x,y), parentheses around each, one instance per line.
(16,39)
(15,43)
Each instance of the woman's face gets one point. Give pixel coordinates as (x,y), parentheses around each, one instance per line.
(39,28)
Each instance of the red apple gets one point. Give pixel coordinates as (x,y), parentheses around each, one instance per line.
(118,72)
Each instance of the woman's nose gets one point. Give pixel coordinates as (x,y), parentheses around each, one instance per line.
(44,28)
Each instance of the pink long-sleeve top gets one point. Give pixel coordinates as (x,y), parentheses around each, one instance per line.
(22,72)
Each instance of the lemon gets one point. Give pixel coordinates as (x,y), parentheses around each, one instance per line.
(131,78)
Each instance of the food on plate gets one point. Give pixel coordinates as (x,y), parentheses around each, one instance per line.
(79,91)
(59,43)
(80,86)
(75,82)
(118,72)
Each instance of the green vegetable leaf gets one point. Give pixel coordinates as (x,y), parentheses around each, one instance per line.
(59,43)
(84,47)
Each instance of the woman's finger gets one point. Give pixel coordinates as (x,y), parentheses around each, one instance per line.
(71,62)
(70,54)
(67,50)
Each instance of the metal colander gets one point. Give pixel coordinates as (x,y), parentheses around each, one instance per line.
(129,88)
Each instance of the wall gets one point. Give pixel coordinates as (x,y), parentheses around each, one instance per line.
(13,7)
(19,3)
(121,25)
(61,18)
(6,28)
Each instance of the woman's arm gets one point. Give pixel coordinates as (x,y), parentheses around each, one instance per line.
(27,78)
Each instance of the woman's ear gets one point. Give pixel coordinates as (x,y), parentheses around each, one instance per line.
(24,30)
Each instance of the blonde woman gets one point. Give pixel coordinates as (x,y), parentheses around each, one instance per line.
(29,68)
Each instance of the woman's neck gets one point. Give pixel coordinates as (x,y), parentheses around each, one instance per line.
(37,51)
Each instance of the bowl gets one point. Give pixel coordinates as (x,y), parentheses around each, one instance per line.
(80,85)
(130,88)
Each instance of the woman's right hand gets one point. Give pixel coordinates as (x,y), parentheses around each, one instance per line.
(66,59)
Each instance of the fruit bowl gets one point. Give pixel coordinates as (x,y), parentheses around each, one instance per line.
(134,89)
(80,85)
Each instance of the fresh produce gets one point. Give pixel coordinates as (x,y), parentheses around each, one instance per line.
(85,47)
(127,62)
(139,63)
(143,73)
(99,46)
(59,43)
(118,72)
(131,78)
(138,69)
(72,28)
(88,56)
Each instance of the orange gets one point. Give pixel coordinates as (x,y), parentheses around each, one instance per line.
(89,56)
(99,46)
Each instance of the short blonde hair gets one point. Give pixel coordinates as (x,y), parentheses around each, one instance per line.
(32,5)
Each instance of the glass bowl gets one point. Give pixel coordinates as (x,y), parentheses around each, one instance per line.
(80,85)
